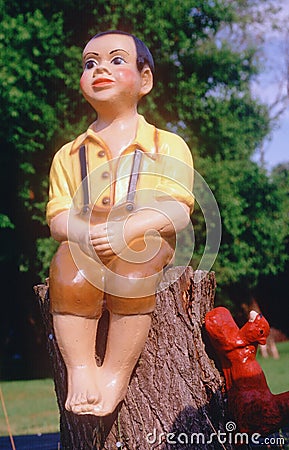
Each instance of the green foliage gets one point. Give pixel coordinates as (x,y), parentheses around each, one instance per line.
(280,177)
(45,248)
(30,47)
(5,222)
(254,229)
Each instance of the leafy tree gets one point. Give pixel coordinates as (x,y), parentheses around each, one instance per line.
(254,229)
(29,52)
(272,291)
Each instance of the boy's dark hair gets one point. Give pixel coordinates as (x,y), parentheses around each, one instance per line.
(143,57)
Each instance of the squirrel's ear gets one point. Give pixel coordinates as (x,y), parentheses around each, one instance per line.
(146,81)
(252,316)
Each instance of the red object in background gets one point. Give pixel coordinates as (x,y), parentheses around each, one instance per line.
(251,404)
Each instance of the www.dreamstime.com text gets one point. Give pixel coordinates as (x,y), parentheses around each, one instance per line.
(230,436)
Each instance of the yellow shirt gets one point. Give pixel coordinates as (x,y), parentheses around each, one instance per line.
(166,171)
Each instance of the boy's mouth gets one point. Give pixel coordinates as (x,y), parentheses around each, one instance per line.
(102,81)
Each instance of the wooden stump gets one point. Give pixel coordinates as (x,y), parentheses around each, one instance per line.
(174,399)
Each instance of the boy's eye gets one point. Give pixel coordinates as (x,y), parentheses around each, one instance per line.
(90,64)
(118,60)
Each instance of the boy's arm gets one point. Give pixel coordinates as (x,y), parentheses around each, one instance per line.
(170,217)
(110,238)
(64,222)
(67,226)
(70,226)
(59,227)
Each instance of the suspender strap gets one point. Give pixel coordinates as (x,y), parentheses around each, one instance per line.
(84,179)
(134,175)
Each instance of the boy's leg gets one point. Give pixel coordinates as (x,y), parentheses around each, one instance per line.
(76,306)
(126,339)
(76,341)
(130,320)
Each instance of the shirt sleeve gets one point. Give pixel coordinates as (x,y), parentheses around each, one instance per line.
(60,198)
(177,171)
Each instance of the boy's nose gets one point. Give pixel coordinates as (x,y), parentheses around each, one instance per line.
(102,67)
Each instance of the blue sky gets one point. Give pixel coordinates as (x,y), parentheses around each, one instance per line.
(273,83)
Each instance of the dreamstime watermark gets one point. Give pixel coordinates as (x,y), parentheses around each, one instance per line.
(228,436)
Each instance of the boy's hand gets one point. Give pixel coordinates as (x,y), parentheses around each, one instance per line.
(109,238)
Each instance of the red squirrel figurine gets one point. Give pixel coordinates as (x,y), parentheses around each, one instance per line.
(251,403)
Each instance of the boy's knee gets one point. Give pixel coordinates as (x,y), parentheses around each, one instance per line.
(69,290)
(76,302)
(132,286)
(132,281)
(132,293)
(130,306)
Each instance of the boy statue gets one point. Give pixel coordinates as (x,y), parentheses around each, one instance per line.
(108,259)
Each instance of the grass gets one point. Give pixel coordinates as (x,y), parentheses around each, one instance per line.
(276,370)
(31,405)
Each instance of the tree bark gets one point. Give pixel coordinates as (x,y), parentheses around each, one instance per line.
(175,399)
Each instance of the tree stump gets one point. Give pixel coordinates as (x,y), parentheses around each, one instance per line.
(174,399)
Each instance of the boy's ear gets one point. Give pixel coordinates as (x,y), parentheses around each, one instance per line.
(146,81)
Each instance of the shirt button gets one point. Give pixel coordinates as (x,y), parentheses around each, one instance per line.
(101,153)
(105,175)
(106,201)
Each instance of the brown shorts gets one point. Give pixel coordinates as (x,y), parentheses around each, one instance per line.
(123,286)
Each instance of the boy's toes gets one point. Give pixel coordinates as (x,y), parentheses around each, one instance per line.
(84,409)
(79,408)
(92,399)
(70,402)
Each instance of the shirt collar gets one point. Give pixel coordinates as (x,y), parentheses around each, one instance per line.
(146,138)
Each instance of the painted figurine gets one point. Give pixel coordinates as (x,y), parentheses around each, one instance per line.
(251,404)
(118,195)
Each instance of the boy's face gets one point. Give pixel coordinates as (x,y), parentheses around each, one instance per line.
(110,73)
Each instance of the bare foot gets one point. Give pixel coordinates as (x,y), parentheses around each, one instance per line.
(113,391)
(92,392)
(125,341)
(83,389)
